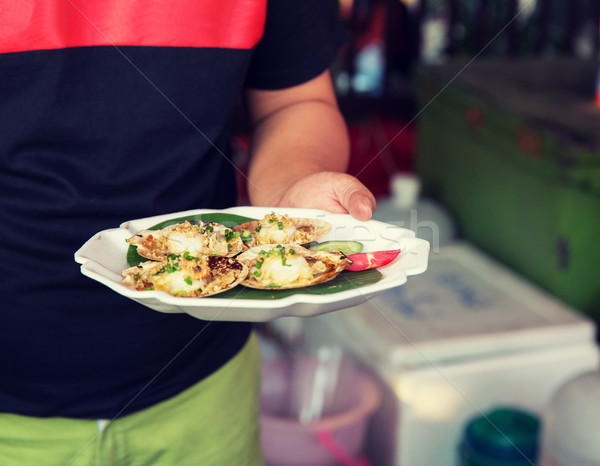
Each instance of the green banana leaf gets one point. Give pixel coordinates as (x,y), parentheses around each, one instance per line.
(344,281)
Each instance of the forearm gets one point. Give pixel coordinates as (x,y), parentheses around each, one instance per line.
(294,141)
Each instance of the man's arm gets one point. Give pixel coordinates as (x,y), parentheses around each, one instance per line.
(300,150)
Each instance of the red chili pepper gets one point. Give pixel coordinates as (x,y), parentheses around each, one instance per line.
(371,260)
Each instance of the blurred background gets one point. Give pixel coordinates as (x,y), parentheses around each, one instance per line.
(476,124)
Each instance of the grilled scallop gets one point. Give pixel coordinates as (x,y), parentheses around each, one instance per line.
(196,238)
(290,266)
(282,229)
(186,275)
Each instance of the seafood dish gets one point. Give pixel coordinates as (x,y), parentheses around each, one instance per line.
(185,275)
(196,238)
(200,258)
(281,229)
(290,266)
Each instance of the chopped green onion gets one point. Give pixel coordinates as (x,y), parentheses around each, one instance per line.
(188,256)
(188,280)
(230,234)
(169,267)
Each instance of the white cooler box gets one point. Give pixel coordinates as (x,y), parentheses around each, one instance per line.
(464,337)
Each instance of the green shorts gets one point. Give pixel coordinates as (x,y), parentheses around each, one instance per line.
(214,422)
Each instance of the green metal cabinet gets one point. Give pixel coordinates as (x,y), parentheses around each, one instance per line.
(512,148)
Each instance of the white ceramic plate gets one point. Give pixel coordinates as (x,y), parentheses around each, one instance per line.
(104,256)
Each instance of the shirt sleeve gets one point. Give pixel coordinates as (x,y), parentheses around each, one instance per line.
(300,41)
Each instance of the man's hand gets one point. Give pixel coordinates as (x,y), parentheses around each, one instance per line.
(331,191)
(300,150)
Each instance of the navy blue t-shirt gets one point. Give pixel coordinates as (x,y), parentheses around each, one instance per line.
(124,116)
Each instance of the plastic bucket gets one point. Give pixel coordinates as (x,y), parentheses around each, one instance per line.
(336,438)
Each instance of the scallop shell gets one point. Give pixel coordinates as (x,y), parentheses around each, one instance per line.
(186,276)
(197,238)
(323,266)
(282,229)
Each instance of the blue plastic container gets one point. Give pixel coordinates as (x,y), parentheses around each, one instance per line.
(502,437)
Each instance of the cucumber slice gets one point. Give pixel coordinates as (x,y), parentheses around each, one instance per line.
(345,247)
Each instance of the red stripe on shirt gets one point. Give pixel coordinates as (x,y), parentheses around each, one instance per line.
(54,24)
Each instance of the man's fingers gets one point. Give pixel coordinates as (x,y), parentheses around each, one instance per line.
(360,206)
(331,191)
(356,198)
